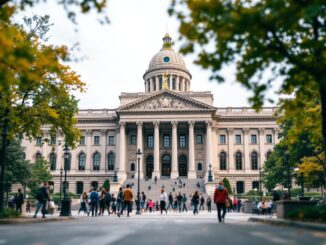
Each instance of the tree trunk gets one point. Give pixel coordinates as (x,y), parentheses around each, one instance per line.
(322,91)
(3,153)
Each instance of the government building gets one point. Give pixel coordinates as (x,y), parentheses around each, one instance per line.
(179,132)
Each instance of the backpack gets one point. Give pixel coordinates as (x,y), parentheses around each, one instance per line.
(108,197)
(94,196)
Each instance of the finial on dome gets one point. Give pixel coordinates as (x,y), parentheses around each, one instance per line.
(167,41)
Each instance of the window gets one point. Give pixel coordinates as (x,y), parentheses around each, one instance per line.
(132,167)
(133,140)
(82,140)
(254,161)
(150,141)
(238,161)
(222,139)
(253,139)
(166,141)
(269,139)
(222,161)
(96,140)
(81,161)
(111,161)
(96,161)
(94,184)
(240,187)
(53,161)
(38,140)
(53,140)
(268,155)
(154,85)
(148,86)
(111,140)
(199,139)
(38,156)
(160,83)
(200,167)
(238,139)
(79,188)
(255,185)
(182,141)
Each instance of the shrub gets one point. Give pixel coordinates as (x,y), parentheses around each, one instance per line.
(9,213)
(317,213)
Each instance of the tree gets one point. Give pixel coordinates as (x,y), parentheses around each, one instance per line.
(40,173)
(312,171)
(106,184)
(227,185)
(285,37)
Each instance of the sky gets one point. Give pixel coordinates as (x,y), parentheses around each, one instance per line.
(115,56)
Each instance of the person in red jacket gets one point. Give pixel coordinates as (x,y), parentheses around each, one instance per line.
(220,197)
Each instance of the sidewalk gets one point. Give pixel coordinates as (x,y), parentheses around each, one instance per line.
(292,223)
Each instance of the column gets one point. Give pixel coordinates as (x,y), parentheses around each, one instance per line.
(145,86)
(230,150)
(103,149)
(88,149)
(191,172)
(140,146)
(157,83)
(122,152)
(153,82)
(246,158)
(208,146)
(177,83)
(174,171)
(261,147)
(156,171)
(182,85)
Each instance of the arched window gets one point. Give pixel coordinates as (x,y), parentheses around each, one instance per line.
(94,184)
(81,161)
(96,161)
(111,161)
(200,166)
(222,161)
(255,185)
(268,154)
(38,156)
(238,160)
(132,167)
(53,161)
(254,161)
(240,187)
(79,188)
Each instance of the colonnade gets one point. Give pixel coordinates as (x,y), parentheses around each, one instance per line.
(175,82)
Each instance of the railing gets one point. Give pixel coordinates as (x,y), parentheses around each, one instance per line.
(96,112)
(246,110)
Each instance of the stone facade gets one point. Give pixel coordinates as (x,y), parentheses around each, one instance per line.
(179,132)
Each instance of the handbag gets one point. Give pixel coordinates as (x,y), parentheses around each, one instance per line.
(227,203)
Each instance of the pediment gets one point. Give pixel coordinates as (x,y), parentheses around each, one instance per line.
(165,101)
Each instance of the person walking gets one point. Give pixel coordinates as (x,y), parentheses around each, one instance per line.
(108,200)
(170,201)
(195,201)
(235,204)
(19,200)
(102,202)
(184,203)
(28,207)
(209,204)
(202,203)
(220,197)
(114,204)
(94,199)
(42,197)
(151,205)
(120,200)
(155,179)
(163,199)
(127,200)
(143,201)
(179,199)
(83,203)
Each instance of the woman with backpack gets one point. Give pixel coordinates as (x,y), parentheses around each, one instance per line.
(195,201)
(83,203)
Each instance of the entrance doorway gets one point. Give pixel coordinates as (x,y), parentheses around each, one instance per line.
(183,169)
(149,166)
(166,165)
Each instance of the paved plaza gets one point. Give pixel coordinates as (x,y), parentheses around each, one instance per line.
(154,228)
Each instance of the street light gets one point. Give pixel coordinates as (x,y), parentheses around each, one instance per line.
(59,204)
(138,153)
(210,176)
(286,155)
(115,177)
(65,203)
(301,180)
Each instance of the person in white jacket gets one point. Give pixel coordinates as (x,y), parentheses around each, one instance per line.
(163,200)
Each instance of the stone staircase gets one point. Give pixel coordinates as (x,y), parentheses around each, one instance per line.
(153,191)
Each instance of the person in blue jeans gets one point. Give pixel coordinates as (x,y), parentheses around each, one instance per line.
(43,197)
(94,198)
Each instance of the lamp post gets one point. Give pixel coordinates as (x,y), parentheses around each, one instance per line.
(65,203)
(59,204)
(260,188)
(301,180)
(210,176)
(115,177)
(286,155)
(138,153)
